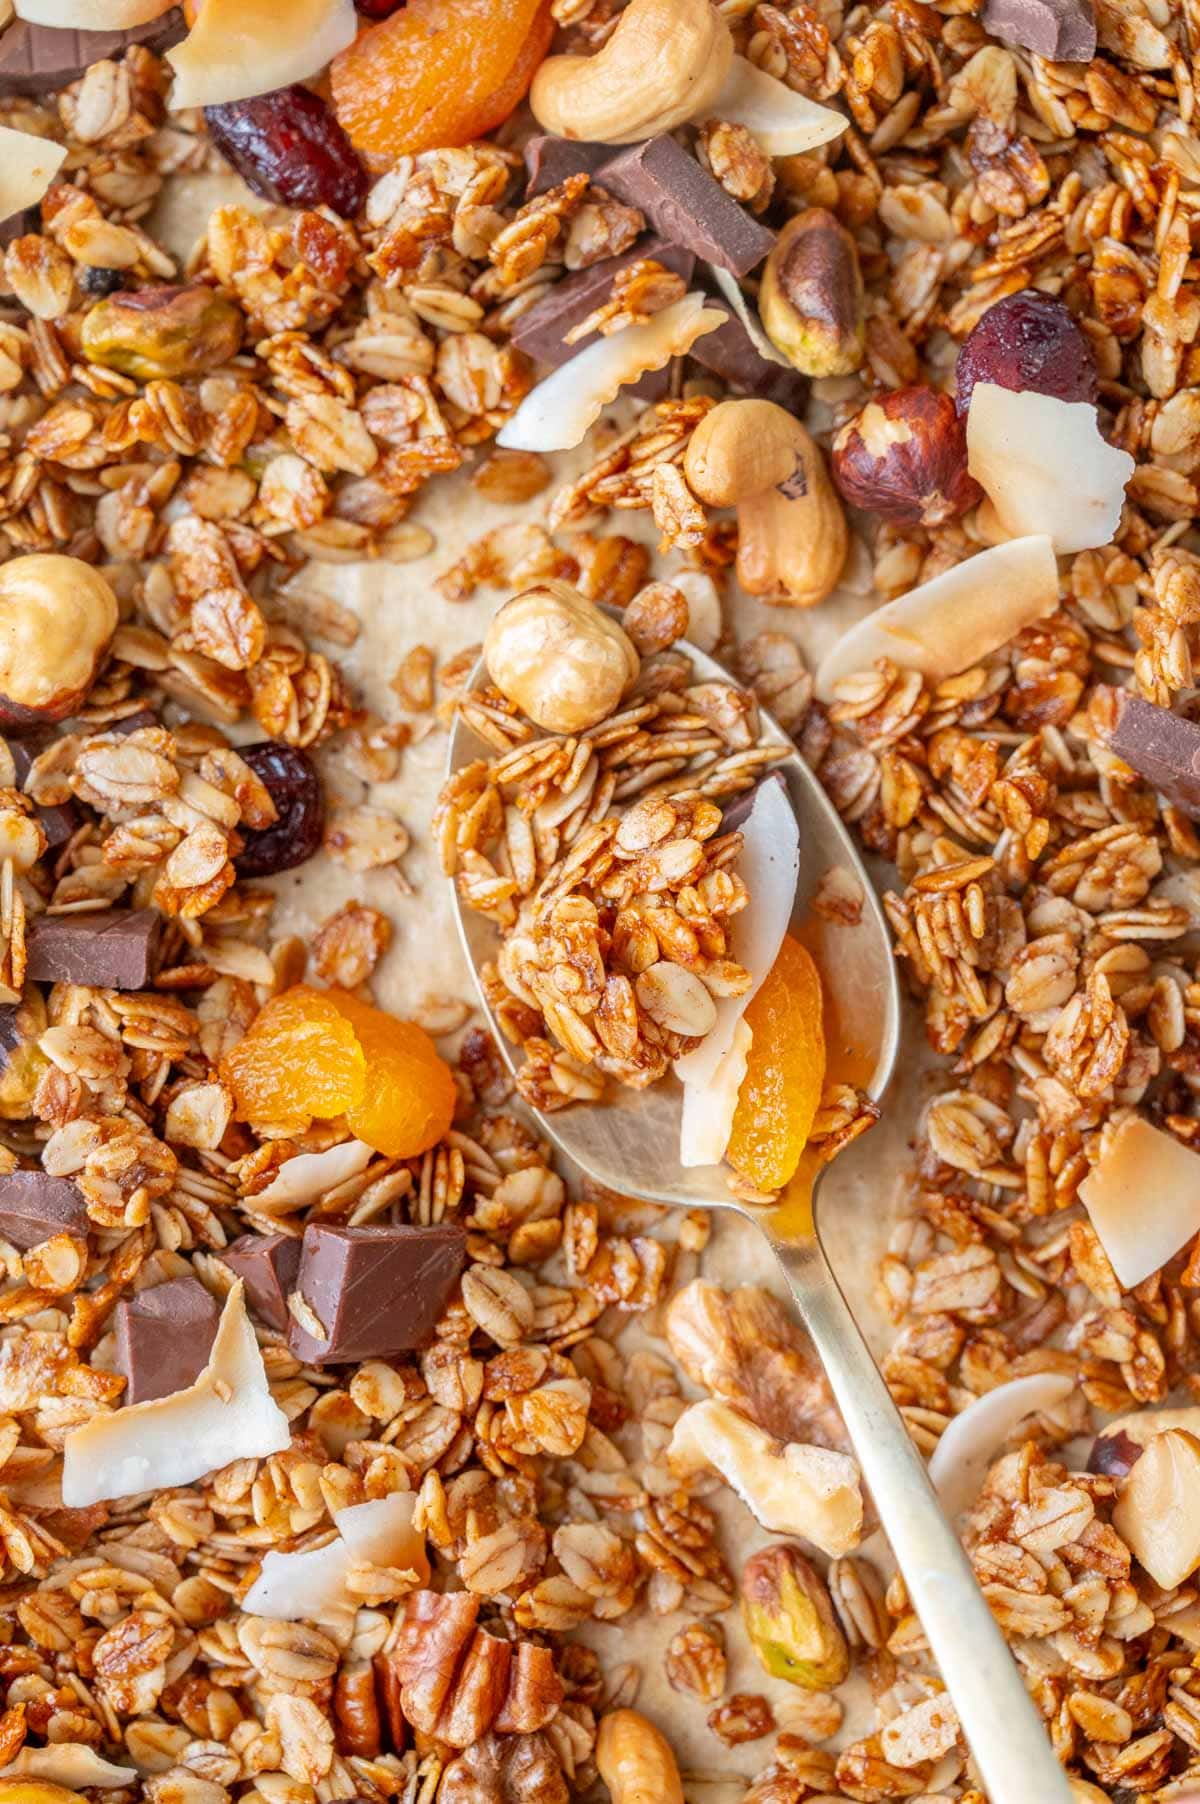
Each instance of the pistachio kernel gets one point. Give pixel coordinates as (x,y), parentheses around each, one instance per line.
(164,333)
(790,1621)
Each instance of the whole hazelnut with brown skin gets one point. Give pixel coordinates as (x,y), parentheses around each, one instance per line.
(559,658)
(57,617)
(904,457)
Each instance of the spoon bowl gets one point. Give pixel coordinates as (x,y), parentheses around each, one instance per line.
(630,1144)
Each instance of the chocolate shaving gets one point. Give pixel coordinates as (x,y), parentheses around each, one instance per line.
(1064,31)
(686,205)
(110,949)
(38,59)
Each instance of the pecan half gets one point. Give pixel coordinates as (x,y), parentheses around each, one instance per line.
(456,1680)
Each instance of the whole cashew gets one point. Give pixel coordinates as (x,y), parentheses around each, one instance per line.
(635,1760)
(664,64)
(791,529)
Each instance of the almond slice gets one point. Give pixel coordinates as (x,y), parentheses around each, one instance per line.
(1143,1197)
(91,15)
(1045,466)
(783,121)
(28,165)
(954,620)
(239,48)
(961,1458)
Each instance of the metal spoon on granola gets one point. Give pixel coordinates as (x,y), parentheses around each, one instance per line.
(572,781)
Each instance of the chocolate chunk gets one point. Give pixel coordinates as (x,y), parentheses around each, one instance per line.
(267,1264)
(375,1291)
(686,206)
(1062,30)
(540,331)
(731,353)
(549,161)
(37,59)
(130,723)
(18,225)
(33,1206)
(1162,747)
(164,1338)
(111,949)
(58,822)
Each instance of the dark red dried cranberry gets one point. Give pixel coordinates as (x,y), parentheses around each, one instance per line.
(287,146)
(1114,1455)
(1028,341)
(295,788)
(101,282)
(378,9)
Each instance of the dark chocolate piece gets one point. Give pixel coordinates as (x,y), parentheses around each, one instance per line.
(376,1291)
(1062,30)
(111,948)
(18,225)
(164,1338)
(58,822)
(34,1206)
(38,59)
(1162,747)
(730,352)
(267,1264)
(540,331)
(549,161)
(130,723)
(686,205)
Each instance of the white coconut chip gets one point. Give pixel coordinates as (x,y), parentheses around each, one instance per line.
(1046,467)
(733,292)
(239,48)
(1143,1197)
(69,1763)
(308,1176)
(559,412)
(227,1414)
(706,1119)
(783,122)
(91,15)
(961,1458)
(312,1585)
(950,623)
(28,165)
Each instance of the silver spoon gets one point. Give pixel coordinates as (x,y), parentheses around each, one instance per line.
(629,1143)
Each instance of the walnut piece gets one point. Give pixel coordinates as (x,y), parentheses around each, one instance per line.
(509,1769)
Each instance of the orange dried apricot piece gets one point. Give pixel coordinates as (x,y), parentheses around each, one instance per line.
(438,72)
(408,1100)
(785,1072)
(300,1060)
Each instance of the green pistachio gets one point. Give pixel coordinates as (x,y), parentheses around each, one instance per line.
(811,299)
(22,1062)
(162,333)
(790,1621)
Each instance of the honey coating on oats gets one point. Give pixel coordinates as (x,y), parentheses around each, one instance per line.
(257,532)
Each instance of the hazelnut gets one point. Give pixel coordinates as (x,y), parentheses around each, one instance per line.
(562,661)
(811,300)
(904,457)
(790,1620)
(57,616)
(162,333)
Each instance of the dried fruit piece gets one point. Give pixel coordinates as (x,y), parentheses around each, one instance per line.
(408,1101)
(162,333)
(291,779)
(439,72)
(287,146)
(904,457)
(237,48)
(1027,341)
(790,1621)
(785,1071)
(299,1061)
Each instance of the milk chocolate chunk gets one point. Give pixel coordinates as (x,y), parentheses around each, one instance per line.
(686,205)
(58,822)
(164,1338)
(34,1207)
(731,353)
(267,1264)
(37,59)
(549,161)
(1162,747)
(541,331)
(374,1291)
(111,949)
(1062,30)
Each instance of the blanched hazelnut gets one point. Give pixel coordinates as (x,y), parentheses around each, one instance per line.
(811,300)
(904,457)
(162,333)
(562,661)
(57,616)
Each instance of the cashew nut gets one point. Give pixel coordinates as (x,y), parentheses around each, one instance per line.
(791,529)
(663,65)
(635,1761)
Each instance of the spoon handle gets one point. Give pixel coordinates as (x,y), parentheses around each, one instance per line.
(1005,1735)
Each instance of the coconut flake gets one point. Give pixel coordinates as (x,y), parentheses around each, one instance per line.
(950,623)
(733,292)
(69,1763)
(28,165)
(973,1439)
(312,1585)
(706,1120)
(559,412)
(783,122)
(309,1175)
(1045,466)
(91,15)
(227,1414)
(1143,1197)
(239,48)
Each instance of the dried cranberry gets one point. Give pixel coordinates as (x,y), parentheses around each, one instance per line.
(100,282)
(1028,341)
(295,788)
(378,9)
(1115,1455)
(287,146)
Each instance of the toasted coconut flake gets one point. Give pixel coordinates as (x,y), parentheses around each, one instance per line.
(732,291)
(973,1440)
(91,15)
(227,1414)
(238,48)
(1143,1196)
(706,1118)
(312,1585)
(783,121)
(68,1763)
(953,621)
(309,1175)
(559,412)
(1045,466)
(28,165)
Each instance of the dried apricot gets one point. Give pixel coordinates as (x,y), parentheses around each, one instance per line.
(409,1099)
(438,72)
(785,1071)
(300,1060)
